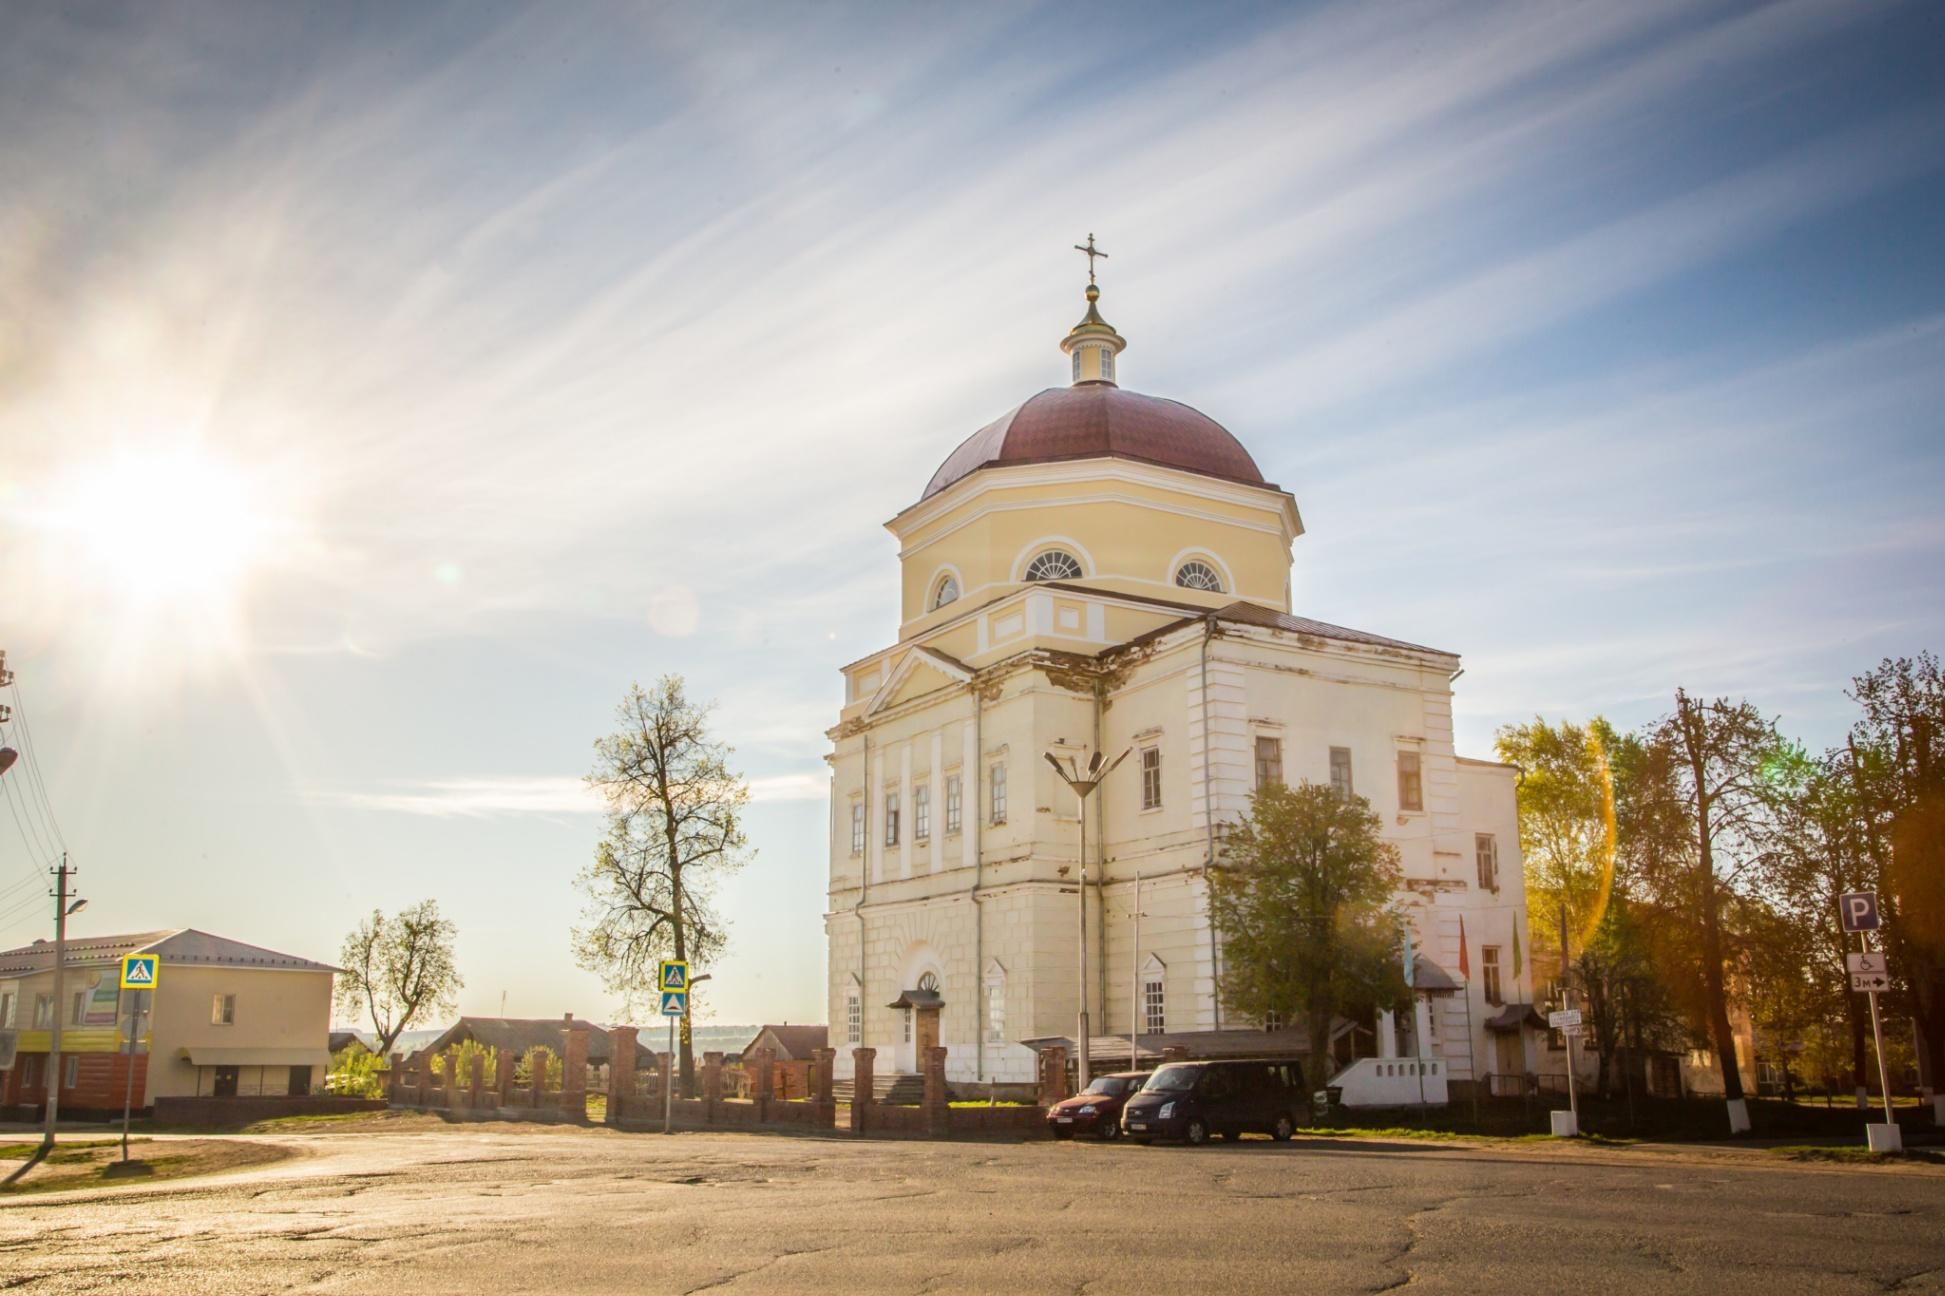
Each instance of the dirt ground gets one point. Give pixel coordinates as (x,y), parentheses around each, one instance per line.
(96,1163)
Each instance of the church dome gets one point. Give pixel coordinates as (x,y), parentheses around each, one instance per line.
(1095,419)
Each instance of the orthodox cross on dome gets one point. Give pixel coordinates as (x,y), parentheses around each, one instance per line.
(1091,252)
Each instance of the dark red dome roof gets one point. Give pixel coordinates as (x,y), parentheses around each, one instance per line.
(1091,420)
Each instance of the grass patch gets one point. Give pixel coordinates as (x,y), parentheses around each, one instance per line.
(1856,1155)
(983,1103)
(1384,1132)
(1591,1140)
(99,1165)
(21,1151)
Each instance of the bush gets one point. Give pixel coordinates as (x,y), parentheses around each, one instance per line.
(356,1073)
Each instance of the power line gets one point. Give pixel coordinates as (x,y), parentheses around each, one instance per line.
(39,852)
(33,762)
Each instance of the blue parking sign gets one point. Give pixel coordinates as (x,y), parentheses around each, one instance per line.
(1858,909)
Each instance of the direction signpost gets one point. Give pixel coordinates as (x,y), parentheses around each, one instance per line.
(1567,1022)
(1859,912)
(139,975)
(672,984)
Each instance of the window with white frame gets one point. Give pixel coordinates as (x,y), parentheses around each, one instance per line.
(1151,778)
(7,1011)
(1107,365)
(1272,1020)
(997,788)
(1269,760)
(1077,366)
(946,592)
(1411,782)
(922,812)
(907,1015)
(43,1011)
(222,1010)
(1340,773)
(1154,997)
(1486,850)
(1054,565)
(954,803)
(995,1004)
(78,1008)
(1489,974)
(71,1071)
(891,818)
(1198,575)
(854,1017)
(857,827)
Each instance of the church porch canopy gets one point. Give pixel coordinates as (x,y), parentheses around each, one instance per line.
(917,999)
(1515,1017)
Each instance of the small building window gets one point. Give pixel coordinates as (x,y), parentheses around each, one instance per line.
(7,1011)
(1487,852)
(1054,565)
(71,1071)
(854,1018)
(1411,784)
(891,818)
(43,1012)
(78,1008)
(857,827)
(1272,1020)
(1107,365)
(998,787)
(1269,760)
(1198,575)
(907,1015)
(996,1004)
(947,592)
(954,803)
(922,812)
(1151,778)
(1077,366)
(1340,773)
(1489,974)
(222,1010)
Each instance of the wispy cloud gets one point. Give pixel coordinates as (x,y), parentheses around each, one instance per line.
(542,795)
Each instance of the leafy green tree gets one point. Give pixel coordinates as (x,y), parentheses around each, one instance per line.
(355,1072)
(1303,898)
(399,970)
(675,826)
(1567,826)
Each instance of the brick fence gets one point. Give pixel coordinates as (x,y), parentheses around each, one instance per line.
(635,1098)
(221,1113)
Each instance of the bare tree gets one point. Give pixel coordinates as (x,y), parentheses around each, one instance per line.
(675,825)
(399,970)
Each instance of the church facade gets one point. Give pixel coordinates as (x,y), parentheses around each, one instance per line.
(1100,571)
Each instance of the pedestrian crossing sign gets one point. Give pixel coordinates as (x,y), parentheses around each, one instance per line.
(139,971)
(674,1003)
(672,974)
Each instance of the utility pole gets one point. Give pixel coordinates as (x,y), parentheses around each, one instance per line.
(60,976)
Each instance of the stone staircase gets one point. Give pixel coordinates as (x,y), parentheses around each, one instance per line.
(905,1089)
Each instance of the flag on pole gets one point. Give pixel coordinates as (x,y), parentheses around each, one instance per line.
(1516,946)
(1465,961)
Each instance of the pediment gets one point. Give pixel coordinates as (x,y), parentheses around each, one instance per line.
(920,671)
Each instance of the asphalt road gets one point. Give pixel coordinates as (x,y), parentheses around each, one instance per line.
(491,1209)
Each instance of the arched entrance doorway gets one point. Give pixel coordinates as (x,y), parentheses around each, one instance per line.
(921,1005)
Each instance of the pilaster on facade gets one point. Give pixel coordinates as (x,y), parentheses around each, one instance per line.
(906,822)
(1219,745)
(1441,773)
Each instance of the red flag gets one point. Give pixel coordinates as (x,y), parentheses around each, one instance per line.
(1465,963)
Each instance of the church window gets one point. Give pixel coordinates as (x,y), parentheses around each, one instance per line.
(1151,778)
(1489,973)
(1198,575)
(922,812)
(947,591)
(954,803)
(891,818)
(857,827)
(998,787)
(1077,366)
(1053,565)
(1269,760)
(1411,783)
(1486,850)
(854,1018)
(995,1004)
(1340,773)
(1154,998)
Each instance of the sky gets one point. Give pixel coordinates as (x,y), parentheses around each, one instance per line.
(383,388)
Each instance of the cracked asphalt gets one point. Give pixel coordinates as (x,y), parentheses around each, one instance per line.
(496,1208)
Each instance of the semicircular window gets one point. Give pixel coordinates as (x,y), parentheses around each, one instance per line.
(948,591)
(1197,575)
(1053,565)
(929,983)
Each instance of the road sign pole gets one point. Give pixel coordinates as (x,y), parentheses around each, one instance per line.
(668,1084)
(1877,1037)
(128,1085)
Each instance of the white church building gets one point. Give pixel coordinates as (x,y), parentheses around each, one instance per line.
(1098,570)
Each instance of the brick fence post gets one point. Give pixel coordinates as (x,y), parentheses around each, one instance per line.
(621,1071)
(823,1064)
(574,1069)
(537,1072)
(502,1076)
(762,1068)
(395,1077)
(861,1099)
(1053,1075)
(712,1087)
(476,1081)
(937,1100)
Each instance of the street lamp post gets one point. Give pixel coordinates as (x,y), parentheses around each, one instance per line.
(1083,785)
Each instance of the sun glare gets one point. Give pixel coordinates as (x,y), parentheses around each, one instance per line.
(177,526)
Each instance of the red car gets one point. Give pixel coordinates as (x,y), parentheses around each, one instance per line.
(1096,1109)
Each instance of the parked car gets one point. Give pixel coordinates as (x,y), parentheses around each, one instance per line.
(1193,1100)
(1097,1108)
